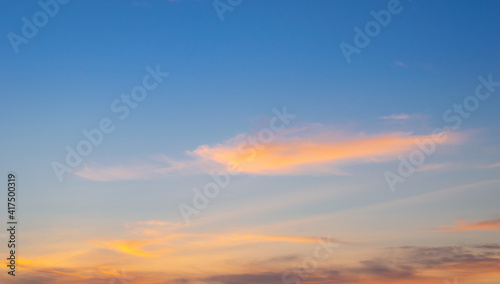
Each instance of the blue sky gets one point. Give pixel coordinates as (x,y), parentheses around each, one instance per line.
(225,79)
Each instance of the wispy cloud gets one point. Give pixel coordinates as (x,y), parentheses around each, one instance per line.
(155,238)
(311,154)
(133,247)
(397,116)
(399,63)
(155,245)
(489,166)
(433,167)
(408,264)
(118,172)
(251,264)
(492,225)
(309,149)
(157,223)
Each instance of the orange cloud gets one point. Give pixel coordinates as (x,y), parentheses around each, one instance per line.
(310,149)
(164,243)
(132,247)
(492,225)
(156,238)
(257,263)
(309,154)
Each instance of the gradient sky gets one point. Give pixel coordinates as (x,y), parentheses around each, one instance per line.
(116,219)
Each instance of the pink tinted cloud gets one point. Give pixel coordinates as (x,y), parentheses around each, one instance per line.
(310,149)
(491,225)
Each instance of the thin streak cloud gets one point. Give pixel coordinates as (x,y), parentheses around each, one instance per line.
(491,225)
(306,150)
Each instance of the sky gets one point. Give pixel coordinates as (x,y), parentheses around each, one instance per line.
(236,141)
